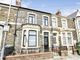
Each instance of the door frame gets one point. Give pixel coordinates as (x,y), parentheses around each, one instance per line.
(48,39)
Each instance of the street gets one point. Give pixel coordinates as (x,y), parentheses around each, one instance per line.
(72,57)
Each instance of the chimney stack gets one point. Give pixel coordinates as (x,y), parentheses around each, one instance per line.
(18,2)
(58,13)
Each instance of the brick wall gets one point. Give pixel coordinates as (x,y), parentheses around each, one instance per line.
(36,56)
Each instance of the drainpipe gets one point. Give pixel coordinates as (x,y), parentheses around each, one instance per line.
(18,4)
(15,35)
(76,27)
(6,29)
(60,44)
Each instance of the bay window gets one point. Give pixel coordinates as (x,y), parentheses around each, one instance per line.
(32,38)
(67,38)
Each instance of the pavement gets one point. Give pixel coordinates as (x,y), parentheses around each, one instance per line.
(70,57)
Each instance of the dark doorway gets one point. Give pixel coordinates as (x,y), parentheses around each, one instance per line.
(46,41)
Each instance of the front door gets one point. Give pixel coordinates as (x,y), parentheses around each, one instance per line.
(46,42)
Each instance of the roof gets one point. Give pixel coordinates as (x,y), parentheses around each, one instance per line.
(26,8)
(75,14)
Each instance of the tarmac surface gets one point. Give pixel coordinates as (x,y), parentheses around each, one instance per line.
(70,57)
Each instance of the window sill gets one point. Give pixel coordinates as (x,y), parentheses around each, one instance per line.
(32,47)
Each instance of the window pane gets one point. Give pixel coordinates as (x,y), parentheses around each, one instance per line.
(32,39)
(32,32)
(45,33)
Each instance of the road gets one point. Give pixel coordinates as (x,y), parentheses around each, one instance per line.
(72,57)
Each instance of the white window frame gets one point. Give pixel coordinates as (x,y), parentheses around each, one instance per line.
(66,39)
(43,20)
(66,26)
(56,20)
(35,19)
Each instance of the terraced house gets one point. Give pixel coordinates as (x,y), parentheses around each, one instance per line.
(37,31)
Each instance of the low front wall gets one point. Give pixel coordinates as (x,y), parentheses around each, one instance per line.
(36,56)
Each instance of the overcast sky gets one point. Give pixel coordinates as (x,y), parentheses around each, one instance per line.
(66,6)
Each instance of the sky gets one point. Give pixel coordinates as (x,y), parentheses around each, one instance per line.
(65,6)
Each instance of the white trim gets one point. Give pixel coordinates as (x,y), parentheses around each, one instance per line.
(35,19)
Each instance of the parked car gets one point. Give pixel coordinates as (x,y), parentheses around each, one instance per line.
(78,48)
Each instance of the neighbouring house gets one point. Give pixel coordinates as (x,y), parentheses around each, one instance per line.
(37,31)
(76,17)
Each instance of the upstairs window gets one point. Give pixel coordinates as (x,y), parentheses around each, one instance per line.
(54,22)
(31,19)
(45,23)
(64,24)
